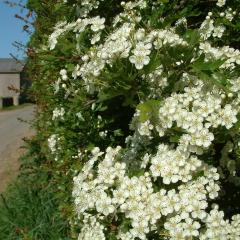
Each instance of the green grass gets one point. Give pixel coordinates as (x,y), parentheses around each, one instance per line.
(27,213)
(29,207)
(16,107)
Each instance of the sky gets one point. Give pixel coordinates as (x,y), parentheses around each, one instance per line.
(11,30)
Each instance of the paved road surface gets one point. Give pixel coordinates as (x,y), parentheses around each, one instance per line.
(11,133)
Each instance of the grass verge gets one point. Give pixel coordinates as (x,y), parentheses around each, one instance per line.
(15,107)
(29,208)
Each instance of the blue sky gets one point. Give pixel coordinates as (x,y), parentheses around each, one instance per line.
(11,30)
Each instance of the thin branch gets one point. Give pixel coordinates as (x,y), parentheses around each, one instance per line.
(16,59)
(14,4)
(23,19)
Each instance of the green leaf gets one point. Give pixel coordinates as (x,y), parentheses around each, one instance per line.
(201,65)
(192,37)
(103,96)
(174,139)
(70,67)
(148,109)
(118,132)
(112,236)
(126,223)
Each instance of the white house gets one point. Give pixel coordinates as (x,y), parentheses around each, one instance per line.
(10,71)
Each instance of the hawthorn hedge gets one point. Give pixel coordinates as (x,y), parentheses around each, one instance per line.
(138,116)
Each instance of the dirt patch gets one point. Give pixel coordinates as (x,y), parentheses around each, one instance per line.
(11,133)
(10,162)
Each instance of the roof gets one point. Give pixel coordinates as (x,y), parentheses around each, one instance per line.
(10,65)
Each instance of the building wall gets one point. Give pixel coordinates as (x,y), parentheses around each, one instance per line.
(6,80)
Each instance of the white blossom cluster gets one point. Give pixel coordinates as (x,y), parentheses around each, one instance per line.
(59,29)
(126,41)
(109,191)
(229,14)
(61,81)
(231,55)
(208,29)
(86,6)
(184,209)
(92,229)
(196,111)
(52,142)
(79,155)
(116,45)
(143,46)
(145,128)
(219,228)
(119,44)
(173,165)
(96,24)
(134,4)
(235,85)
(58,113)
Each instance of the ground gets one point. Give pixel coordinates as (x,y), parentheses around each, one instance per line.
(12,130)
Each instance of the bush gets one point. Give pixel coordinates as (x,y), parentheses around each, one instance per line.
(161,80)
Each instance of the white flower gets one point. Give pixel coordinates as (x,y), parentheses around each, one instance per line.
(95,38)
(140,34)
(145,128)
(218,31)
(190,228)
(145,160)
(139,60)
(76,72)
(143,48)
(213,189)
(228,116)
(104,206)
(97,23)
(221,3)
(140,57)
(63,74)
(56,86)
(203,138)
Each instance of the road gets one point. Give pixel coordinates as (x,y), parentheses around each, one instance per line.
(11,133)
